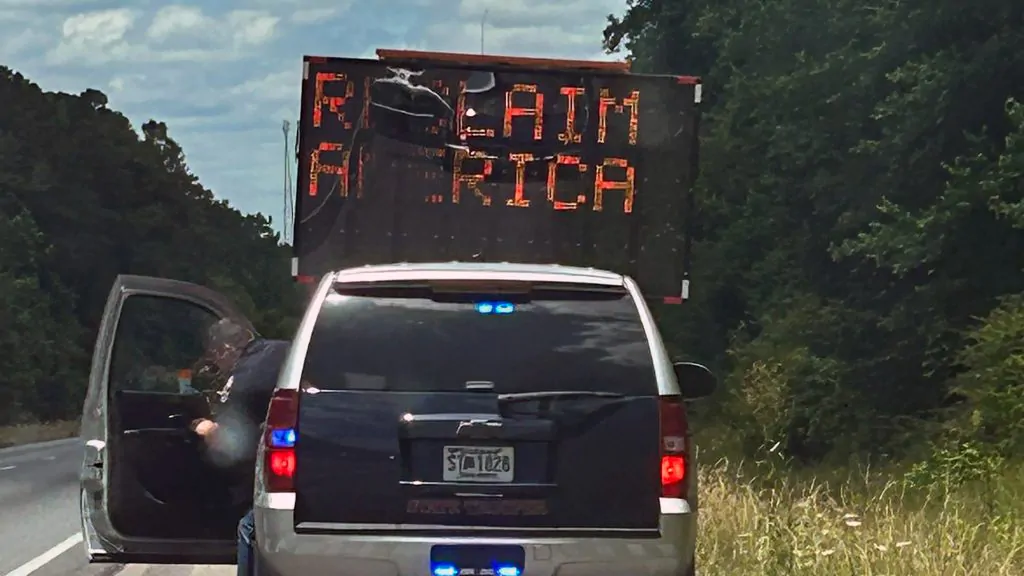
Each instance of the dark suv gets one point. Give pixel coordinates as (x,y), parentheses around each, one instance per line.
(455,418)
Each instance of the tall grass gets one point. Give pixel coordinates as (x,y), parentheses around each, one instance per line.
(767,519)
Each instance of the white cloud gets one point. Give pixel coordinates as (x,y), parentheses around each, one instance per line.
(282,86)
(310,15)
(48,4)
(94,36)
(251,27)
(565,29)
(175,33)
(172,21)
(181,23)
(129,87)
(24,41)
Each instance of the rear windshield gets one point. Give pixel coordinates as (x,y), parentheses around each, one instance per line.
(411,340)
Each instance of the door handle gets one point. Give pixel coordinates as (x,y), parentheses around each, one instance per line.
(94,457)
(91,475)
(479,428)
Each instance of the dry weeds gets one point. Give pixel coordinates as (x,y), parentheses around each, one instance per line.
(779,525)
(31,433)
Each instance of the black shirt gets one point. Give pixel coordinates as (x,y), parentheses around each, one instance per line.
(244,400)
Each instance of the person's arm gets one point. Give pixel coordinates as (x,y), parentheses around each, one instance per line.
(244,401)
(230,436)
(204,427)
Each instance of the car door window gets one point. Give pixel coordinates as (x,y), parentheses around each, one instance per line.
(160,346)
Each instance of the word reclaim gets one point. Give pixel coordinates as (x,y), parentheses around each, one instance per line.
(474,138)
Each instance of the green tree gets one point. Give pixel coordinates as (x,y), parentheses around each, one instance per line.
(83,198)
(40,360)
(859,193)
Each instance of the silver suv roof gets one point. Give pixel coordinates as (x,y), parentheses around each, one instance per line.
(480,271)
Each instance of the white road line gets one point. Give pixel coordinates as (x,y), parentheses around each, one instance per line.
(7,468)
(41,560)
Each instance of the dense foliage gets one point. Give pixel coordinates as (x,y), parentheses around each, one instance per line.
(860,258)
(84,197)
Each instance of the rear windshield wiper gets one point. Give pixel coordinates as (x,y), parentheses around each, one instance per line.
(549,394)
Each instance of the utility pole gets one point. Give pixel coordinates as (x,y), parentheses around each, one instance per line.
(286,232)
(483,22)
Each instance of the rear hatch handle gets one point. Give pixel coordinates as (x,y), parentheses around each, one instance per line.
(474,426)
(556,394)
(480,428)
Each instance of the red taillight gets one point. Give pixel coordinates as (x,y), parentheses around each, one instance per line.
(674,447)
(281,462)
(673,470)
(279,440)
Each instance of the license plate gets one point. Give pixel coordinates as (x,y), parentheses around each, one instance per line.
(479,463)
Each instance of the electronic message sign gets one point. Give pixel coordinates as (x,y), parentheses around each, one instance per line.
(438,161)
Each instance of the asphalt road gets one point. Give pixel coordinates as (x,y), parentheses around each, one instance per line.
(39,525)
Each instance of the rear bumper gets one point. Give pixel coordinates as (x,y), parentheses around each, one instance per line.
(291,554)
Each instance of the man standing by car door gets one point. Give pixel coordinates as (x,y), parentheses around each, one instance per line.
(251,365)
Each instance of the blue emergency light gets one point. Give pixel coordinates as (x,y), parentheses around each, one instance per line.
(445,570)
(283,438)
(495,307)
(451,570)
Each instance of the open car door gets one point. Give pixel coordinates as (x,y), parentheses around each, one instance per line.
(147,493)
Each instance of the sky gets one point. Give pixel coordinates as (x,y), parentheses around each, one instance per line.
(225,74)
